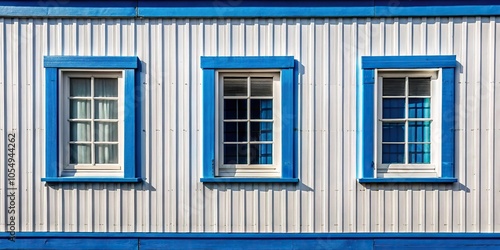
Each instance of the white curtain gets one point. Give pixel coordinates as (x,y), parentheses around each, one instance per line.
(105,129)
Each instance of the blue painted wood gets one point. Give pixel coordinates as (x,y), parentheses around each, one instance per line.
(249,180)
(287,123)
(247,62)
(407,180)
(51,123)
(138,101)
(365,120)
(448,123)
(90,179)
(208,121)
(258,9)
(129,125)
(408,62)
(91,62)
(445,244)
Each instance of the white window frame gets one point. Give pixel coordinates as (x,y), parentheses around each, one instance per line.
(248,170)
(433,169)
(85,170)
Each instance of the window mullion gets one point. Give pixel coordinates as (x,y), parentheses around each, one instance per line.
(406,120)
(92,108)
(248,120)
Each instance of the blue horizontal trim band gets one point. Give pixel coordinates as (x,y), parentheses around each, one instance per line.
(91,62)
(255,235)
(250,180)
(408,62)
(247,9)
(247,62)
(407,180)
(90,179)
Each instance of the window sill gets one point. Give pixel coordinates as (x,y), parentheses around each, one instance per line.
(249,180)
(408,180)
(91,179)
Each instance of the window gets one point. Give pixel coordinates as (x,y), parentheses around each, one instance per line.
(405,119)
(90,119)
(248,119)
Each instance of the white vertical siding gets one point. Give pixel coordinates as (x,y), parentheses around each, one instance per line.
(328,198)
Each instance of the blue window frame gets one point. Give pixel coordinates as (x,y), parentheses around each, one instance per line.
(129,67)
(246,119)
(394,122)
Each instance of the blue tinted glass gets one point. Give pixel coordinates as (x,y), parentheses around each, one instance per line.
(235,154)
(393,132)
(235,109)
(261,131)
(261,109)
(393,153)
(419,108)
(393,108)
(261,154)
(419,153)
(235,131)
(419,131)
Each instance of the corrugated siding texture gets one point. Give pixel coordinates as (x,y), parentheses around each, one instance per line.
(328,198)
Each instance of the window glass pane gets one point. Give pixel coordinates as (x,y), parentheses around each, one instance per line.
(106,109)
(235,131)
(105,87)
(393,132)
(79,154)
(261,131)
(106,154)
(261,86)
(261,154)
(419,86)
(106,131)
(235,86)
(393,153)
(79,109)
(393,108)
(235,154)
(79,87)
(235,109)
(419,131)
(393,87)
(419,153)
(79,131)
(261,109)
(419,108)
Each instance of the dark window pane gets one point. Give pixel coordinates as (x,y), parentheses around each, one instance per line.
(79,131)
(393,153)
(106,109)
(261,154)
(106,154)
(235,109)
(105,87)
(79,154)
(419,86)
(235,131)
(419,108)
(235,154)
(419,131)
(106,131)
(261,131)
(393,108)
(419,153)
(393,132)
(79,87)
(79,109)
(261,109)
(235,86)
(260,86)
(393,87)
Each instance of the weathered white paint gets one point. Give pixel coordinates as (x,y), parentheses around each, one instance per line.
(328,198)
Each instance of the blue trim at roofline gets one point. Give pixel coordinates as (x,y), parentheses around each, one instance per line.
(249,9)
(63,240)
(365,115)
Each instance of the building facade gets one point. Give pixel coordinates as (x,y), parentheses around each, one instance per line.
(199,161)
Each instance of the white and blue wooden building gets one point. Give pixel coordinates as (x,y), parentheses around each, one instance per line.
(370,124)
